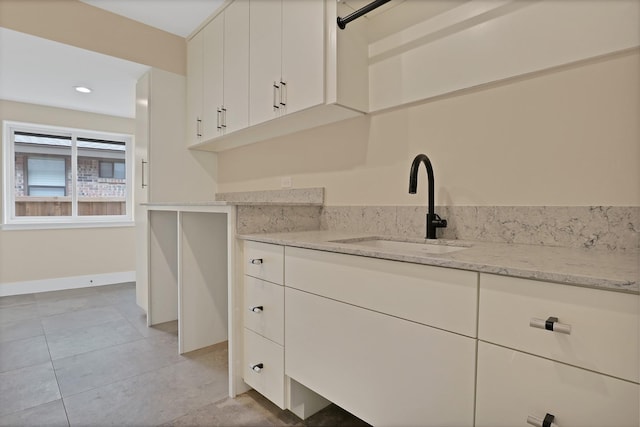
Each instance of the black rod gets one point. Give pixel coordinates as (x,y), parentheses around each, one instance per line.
(342,22)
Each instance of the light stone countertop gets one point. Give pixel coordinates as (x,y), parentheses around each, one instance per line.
(283,197)
(178,204)
(227,203)
(618,271)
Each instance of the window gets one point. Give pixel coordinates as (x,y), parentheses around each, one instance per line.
(46,176)
(113,170)
(65,176)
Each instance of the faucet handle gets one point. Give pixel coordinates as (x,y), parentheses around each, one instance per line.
(434,222)
(438,222)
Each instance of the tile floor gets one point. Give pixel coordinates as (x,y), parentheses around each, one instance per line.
(85,357)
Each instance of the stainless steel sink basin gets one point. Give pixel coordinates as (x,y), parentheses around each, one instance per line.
(389,245)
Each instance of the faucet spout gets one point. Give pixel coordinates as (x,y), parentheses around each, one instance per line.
(433,220)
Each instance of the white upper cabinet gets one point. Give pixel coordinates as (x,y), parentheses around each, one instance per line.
(302,54)
(293,69)
(218,76)
(287,57)
(265,59)
(285,68)
(213,78)
(236,67)
(195,95)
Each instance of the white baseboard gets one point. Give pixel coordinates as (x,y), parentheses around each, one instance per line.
(61,283)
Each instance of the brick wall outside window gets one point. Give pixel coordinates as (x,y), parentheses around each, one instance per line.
(90,185)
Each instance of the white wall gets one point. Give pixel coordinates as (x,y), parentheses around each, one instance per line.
(31,255)
(567,137)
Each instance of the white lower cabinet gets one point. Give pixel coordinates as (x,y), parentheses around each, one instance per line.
(264,261)
(514,386)
(547,348)
(383,369)
(402,344)
(264,312)
(263,309)
(444,298)
(264,366)
(595,329)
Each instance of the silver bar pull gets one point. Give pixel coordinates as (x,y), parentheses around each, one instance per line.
(551,324)
(142,174)
(538,422)
(224,117)
(218,125)
(198,124)
(283,90)
(257,367)
(256,261)
(275,88)
(257,309)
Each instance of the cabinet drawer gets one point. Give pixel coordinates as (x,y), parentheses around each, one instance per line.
(385,370)
(269,380)
(264,261)
(514,385)
(264,308)
(604,324)
(435,296)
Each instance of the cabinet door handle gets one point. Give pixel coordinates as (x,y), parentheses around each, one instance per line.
(257,309)
(198,124)
(142,173)
(546,422)
(224,117)
(275,89)
(283,90)
(256,261)
(218,126)
(551,324)
(257,367)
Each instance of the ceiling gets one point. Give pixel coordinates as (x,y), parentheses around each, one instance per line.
(179,17)
(39,71)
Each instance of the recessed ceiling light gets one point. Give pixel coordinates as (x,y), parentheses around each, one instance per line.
(82,89)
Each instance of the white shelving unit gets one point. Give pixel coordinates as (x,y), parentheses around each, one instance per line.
(192,254)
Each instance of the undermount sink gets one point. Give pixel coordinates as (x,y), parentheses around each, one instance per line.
(404,246)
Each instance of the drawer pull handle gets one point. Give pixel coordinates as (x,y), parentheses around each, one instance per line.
(551,324)
(257,309)
(256,261)
(257,367)
(546,422)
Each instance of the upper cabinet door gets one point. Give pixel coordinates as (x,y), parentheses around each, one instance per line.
(265,55)
(262,60)
(213,78)
(194,89)
(303,69)
(236,66)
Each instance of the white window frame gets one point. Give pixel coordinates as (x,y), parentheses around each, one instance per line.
(10,221)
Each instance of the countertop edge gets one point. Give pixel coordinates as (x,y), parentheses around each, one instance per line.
(229,203)
(573,279)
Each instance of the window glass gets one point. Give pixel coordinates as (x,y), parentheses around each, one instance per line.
(42,184)
(99,190)
(46,172)
(119,170)
(36,191)
(106,170)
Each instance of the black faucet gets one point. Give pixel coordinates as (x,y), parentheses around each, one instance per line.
(433,220)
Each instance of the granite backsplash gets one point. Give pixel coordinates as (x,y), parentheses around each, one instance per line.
(616,228)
